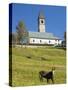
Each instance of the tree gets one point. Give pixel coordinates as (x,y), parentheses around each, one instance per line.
(21,31)
(65,36)
(14,38)
(64,41)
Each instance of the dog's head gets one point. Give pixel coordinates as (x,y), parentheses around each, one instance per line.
(53,68)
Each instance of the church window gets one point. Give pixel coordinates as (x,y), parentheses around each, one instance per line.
(41,21)
(33,40)
(49,41)
(40,41)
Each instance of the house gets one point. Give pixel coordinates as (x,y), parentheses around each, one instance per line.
(41,37)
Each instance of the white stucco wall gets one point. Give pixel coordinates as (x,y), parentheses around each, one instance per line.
(44,41)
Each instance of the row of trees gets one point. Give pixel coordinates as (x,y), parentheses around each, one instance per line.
(21,32)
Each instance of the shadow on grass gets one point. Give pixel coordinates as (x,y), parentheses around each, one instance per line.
(42,58)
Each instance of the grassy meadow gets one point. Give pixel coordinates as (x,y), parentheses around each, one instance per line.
(27,62)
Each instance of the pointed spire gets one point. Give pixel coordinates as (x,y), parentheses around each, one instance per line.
(41,15)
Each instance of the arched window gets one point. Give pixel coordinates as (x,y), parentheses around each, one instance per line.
(41,21)
(40,41)
(49,41)
(33,40)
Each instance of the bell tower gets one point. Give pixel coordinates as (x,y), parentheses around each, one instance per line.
(41,22)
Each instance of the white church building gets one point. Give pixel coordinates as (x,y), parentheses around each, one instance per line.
(42,37)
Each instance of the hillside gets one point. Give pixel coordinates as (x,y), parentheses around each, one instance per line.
(27,62)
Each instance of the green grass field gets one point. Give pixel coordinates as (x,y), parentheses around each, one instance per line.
(27,62)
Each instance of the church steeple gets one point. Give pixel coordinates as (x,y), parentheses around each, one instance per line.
(41,15)
(41,22)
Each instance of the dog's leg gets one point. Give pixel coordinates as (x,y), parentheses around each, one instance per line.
(47,80)
(52,80)
(41,78)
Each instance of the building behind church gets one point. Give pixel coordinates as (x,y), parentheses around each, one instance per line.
(41,37)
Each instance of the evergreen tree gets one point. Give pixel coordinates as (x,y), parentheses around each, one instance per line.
(65,35)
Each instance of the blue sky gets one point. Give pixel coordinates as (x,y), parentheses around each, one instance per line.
(55,17)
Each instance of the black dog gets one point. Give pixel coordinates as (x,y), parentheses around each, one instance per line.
(47,75)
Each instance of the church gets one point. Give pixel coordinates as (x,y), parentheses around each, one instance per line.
(41,37)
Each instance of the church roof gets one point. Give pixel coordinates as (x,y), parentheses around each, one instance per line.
(42,35)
